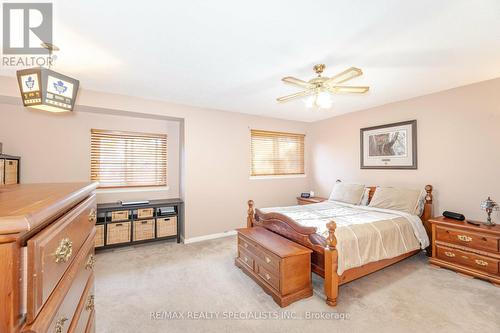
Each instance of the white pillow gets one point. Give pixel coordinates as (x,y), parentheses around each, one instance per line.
(400,199)
(419,210)
(348,193)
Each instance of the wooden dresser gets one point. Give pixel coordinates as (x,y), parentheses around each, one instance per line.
(281,267)
(47,257)
(466,248)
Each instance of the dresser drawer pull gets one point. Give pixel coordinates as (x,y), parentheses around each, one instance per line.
(92,215)
(464,238)
(246,259)
(64,250)
(90,303)
(90,262)
(60,325)
(449,254)
(268,276)
(481,262)
(245,244)
(268,260)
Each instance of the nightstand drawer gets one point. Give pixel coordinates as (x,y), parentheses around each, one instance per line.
(468,239)
(472,260)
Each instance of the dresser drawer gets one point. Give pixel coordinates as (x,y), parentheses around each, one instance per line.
(52,250)
(270,261)
(268,276)
(59,310)
(468,239)
(468,259)
(245,257)
(84,309)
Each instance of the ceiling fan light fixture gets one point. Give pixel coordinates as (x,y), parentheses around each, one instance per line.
(321,100)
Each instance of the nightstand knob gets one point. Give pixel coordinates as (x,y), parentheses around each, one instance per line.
(464,238)
(481,262)
(449,254)
(268,260)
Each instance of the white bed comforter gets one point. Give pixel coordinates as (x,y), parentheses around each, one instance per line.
(364,234)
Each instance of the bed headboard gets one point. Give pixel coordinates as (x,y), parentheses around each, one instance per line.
(426,214)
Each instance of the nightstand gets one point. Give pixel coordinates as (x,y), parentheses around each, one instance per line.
(311,200)
(466,248)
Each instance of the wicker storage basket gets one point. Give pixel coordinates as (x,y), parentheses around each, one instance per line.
(166,226)
(119,215)
(145,213)
(99,235)
(144,229)
(118,233)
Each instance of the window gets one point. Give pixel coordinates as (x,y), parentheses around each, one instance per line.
(128,159)
(276,153)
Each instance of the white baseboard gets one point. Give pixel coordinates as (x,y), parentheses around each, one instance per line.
(207,237)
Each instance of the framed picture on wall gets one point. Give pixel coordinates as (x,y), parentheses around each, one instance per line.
(391,146)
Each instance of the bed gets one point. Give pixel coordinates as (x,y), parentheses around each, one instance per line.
(348,241)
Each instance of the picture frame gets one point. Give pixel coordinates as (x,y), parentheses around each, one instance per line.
(390,146)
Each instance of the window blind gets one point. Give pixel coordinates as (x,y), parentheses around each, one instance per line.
(128,159)
(277,153)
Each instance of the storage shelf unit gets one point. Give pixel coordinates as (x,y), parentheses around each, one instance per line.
(119,225)
(10,167)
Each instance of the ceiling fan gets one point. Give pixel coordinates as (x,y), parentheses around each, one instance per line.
(319,89)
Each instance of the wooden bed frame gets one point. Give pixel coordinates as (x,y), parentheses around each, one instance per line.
(324,259)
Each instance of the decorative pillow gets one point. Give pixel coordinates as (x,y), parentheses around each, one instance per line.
(419,210)
(400,199)
(366,197)
(348,193)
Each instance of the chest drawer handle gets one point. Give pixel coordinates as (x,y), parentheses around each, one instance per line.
(60,324)
(481,262)
(64,250)
(246,259)
(449,254)
(90,303)
(268,276)
(464,238)
(245,244)
(90,262)
(92,215)
(268,260)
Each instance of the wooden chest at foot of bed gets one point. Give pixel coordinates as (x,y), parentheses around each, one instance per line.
(281,267)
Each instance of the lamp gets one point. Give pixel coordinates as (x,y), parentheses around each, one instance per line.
(321,100)
(45,89)
(489,206)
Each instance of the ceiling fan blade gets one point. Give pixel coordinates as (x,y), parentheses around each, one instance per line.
(346,75)
(297,82)
(296,95)
(346,89)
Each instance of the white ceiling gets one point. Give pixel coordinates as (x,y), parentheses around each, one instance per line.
(231,55)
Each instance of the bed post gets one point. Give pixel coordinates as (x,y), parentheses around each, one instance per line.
(250,214)
(427,215)
(331,263)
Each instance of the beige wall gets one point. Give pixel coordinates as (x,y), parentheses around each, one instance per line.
(458,147)
(215,150)
(56,147)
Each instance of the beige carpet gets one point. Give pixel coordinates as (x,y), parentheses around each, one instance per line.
(201,280)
